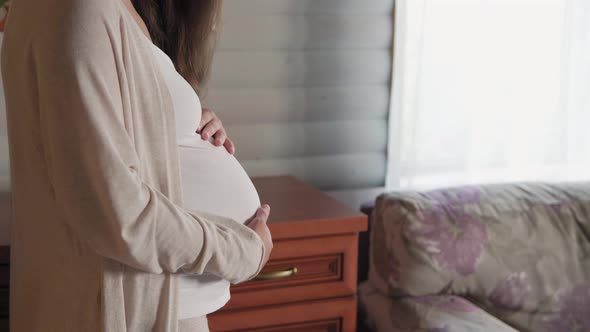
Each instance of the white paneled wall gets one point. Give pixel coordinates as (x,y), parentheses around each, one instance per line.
(303,88)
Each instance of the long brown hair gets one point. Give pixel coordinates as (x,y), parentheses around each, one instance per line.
(184,29)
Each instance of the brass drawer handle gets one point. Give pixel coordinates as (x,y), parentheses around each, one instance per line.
(277,274)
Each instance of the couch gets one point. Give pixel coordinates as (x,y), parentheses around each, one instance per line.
(504,257)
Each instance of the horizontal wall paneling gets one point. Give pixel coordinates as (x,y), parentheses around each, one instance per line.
(302,87)
(306,32)
(310,7)
(337,172)
(299,104)
(294,139)
(300,68)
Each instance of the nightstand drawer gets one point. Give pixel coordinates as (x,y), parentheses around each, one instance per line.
(336,315)
(302,269)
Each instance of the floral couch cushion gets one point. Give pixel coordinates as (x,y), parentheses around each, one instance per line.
(430,313)
(520,251)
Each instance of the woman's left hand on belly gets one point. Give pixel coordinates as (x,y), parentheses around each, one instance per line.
(211,126)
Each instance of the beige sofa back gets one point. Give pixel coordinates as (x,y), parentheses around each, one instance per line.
(521,251)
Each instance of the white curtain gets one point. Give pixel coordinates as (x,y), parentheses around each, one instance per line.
(489,91)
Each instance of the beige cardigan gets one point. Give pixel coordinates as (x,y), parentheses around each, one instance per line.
(98,229)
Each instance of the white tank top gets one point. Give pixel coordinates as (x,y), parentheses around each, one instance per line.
(212,180)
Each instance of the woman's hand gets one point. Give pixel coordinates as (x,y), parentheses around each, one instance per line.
(211,126)
(258,224)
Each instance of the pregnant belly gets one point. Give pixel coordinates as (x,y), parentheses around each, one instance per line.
(214,181)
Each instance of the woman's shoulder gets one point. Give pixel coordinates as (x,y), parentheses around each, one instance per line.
(48,18)
(85,15)
(72,25)
(47,12)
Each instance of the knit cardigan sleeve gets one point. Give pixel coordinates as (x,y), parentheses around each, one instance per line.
(95,171)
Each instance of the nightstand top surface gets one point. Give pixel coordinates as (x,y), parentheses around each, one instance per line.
(300,210)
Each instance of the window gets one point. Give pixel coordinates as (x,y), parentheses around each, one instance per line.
(490,91)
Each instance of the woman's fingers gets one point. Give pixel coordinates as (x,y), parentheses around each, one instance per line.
(263,213)
(258,225)
(209,123)
(229,145)
(220,137)
(211,128)
(206,116)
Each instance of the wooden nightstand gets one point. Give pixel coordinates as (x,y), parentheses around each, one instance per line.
(310,282)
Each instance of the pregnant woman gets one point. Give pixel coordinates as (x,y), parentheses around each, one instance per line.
(125,218)
(212,179)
